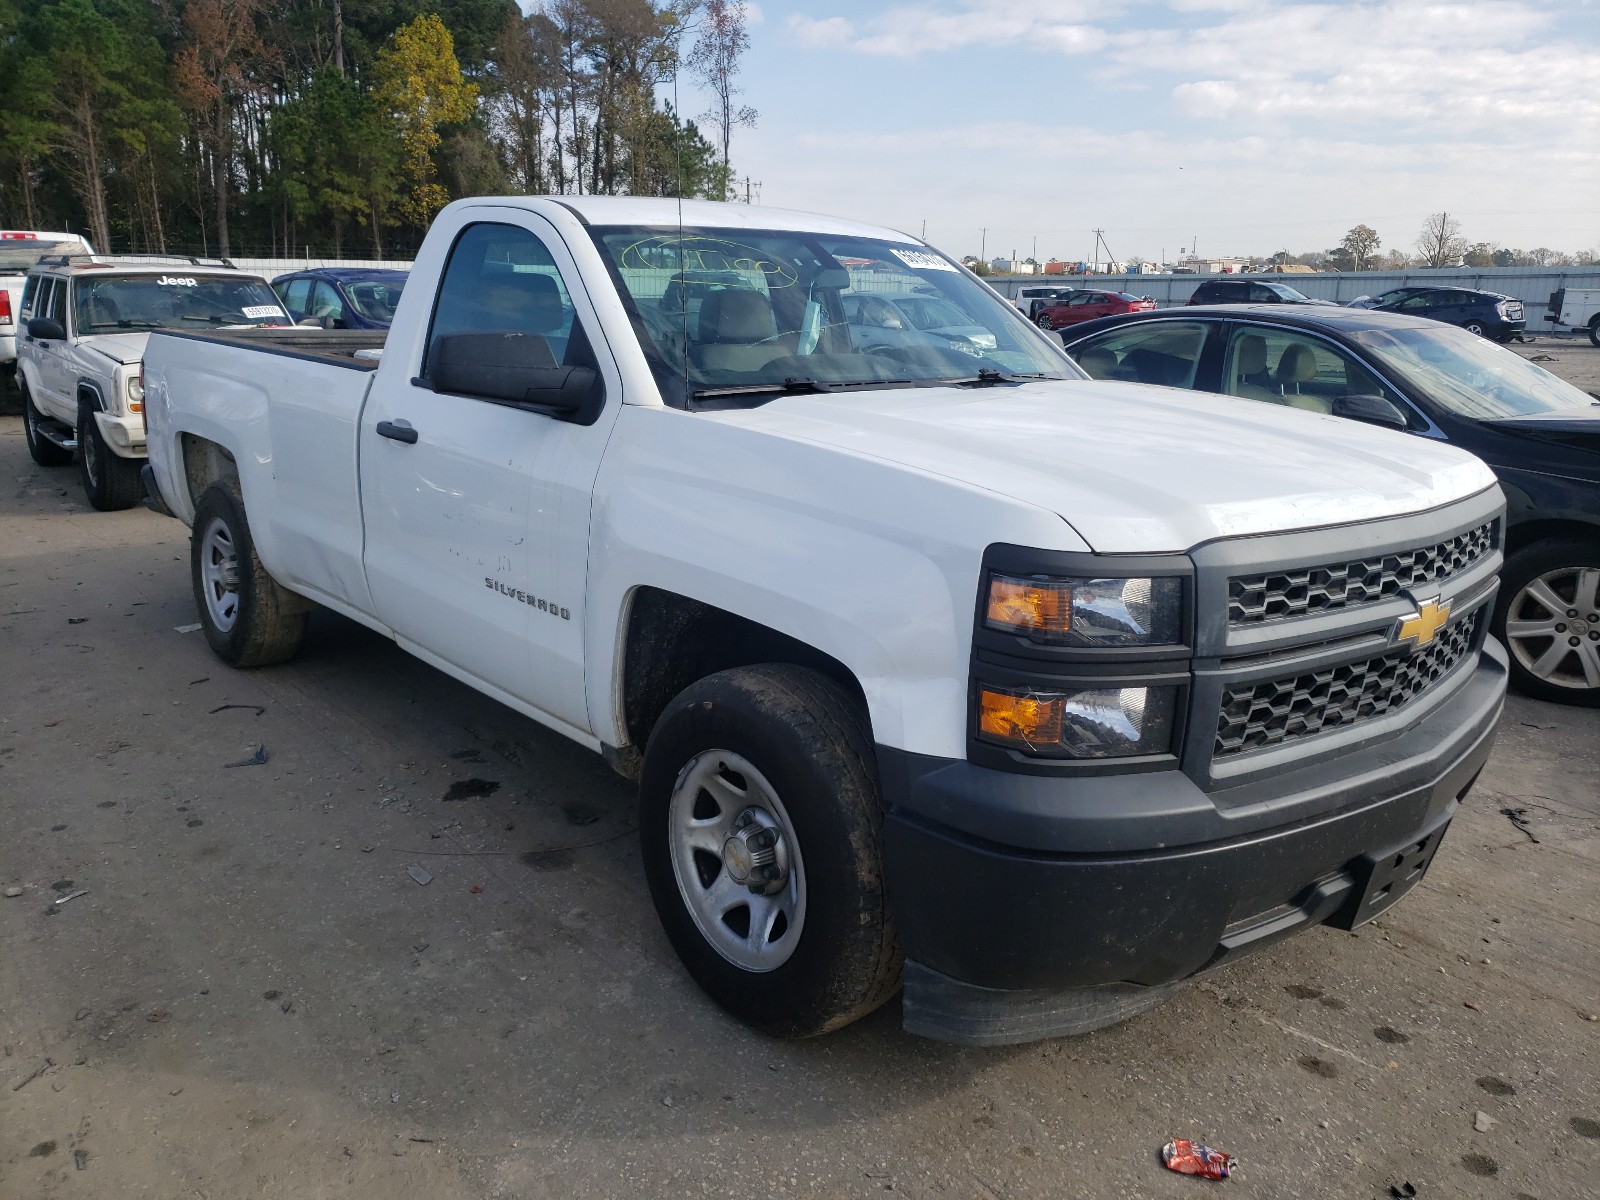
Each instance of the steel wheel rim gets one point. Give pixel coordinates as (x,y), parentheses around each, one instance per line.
(219,575)
(91,457)
(1553,627)
(714,793)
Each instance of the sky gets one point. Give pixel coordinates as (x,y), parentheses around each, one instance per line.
(1238,127)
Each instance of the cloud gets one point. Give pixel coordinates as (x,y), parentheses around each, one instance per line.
(914,29)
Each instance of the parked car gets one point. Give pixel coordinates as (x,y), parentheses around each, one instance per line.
(342,297)
(920,654)
(1030,298)
(914,319)
(1540,434)
(86,322)
(1249,291)
(1577,308)
(1487,314)
(20,249)
(1089,306)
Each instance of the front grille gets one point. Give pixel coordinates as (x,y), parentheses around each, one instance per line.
(1302,591)
(1272,712)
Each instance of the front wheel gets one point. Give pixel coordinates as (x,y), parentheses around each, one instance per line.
(1548,615)
(1043,322)
(1594,332)
(110,481)
(761,830)
(248,618)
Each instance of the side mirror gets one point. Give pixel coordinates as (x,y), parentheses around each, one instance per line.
(514,368)
(44,329)
(1373,410)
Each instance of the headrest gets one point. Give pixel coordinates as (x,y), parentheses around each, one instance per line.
(1251,356)
(736,315)
(1298,364)
(1098,362)
(521,300)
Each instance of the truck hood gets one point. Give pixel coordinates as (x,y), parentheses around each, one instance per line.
(1137,469)
(118,347)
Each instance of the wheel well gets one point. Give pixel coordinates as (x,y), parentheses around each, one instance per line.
(673,641)
(204,463)
(91,393)
(1528,532)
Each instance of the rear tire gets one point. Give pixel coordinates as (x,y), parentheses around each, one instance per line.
(1475,328)
(1541,586)
(40,448)
(783,753)
(1594,331)
(249,619)
(110,481)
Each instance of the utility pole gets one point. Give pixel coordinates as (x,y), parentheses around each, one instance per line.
(1036,248)
(924,228)
(983,243)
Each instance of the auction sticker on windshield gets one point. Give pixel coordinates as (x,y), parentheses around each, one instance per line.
(260,310)
(919,260)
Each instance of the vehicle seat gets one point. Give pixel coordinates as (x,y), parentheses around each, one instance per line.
(1297,365)
(1251,379)
(738,332)
(1099,362)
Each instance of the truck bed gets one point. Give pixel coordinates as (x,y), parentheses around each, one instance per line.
(336,347)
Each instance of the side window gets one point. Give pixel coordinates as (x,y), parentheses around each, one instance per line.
(325,302)
(502,279)
(1283,366)
(297,298)
(1262,295)
(56,304)
(1418,301)
(30,289)
(1164,352)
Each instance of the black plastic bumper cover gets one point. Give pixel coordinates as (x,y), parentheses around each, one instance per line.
(152,492)
(1005,943)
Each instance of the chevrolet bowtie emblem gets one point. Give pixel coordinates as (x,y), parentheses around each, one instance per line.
(1424,627)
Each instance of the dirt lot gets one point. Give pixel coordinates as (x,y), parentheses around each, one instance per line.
(252,997)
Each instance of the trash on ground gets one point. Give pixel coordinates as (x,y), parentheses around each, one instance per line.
(421,876)
(80,1159)
(82,1013)
(1519,818)
(1191,1158)
(76,620)
(257,708)
(186,628)
(255,760)
(1483,1122)
(13,891)
(72,895)
(37,1071)
(1402,1191)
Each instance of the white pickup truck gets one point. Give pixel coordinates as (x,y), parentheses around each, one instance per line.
(936,662)
(20,249)
(1577,308)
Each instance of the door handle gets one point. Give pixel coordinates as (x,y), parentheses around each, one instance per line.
(399,431)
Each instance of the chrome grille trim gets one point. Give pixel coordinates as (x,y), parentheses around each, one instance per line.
(1302,591)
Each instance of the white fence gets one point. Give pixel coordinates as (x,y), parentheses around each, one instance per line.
(1531,285)
(271,267)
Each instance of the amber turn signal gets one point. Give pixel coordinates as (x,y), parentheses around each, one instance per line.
(1022,720)
(1029,606)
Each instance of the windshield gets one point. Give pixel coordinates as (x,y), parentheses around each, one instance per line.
(109,302)
(1287,293)
(730,311)
(1470,375)
(375,299)
(20,255)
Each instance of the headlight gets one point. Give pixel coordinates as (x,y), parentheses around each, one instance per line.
(136,393)
(1095,723)
(1143,611)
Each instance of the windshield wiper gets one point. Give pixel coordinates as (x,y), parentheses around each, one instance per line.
(988,377)
(802,386)
(122,324)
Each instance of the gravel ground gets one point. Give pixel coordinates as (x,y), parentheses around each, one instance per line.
(252,997)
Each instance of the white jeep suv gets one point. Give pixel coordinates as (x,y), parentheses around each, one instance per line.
(84,325)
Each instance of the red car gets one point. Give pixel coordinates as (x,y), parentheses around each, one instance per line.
(1086,306)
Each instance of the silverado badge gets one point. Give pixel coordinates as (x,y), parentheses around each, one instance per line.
(1424,627)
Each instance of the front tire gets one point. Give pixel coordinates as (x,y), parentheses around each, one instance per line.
(1044,323)
(1548,616)
(40,448)
(110,481)
(1594,332)
(761,829)
(248,618)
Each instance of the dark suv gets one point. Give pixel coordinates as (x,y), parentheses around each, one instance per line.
(1248,291)
(1487,314)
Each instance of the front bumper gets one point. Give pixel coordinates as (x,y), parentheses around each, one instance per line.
(1006,941)
(124,435)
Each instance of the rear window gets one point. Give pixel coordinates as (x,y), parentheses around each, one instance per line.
(18,255)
